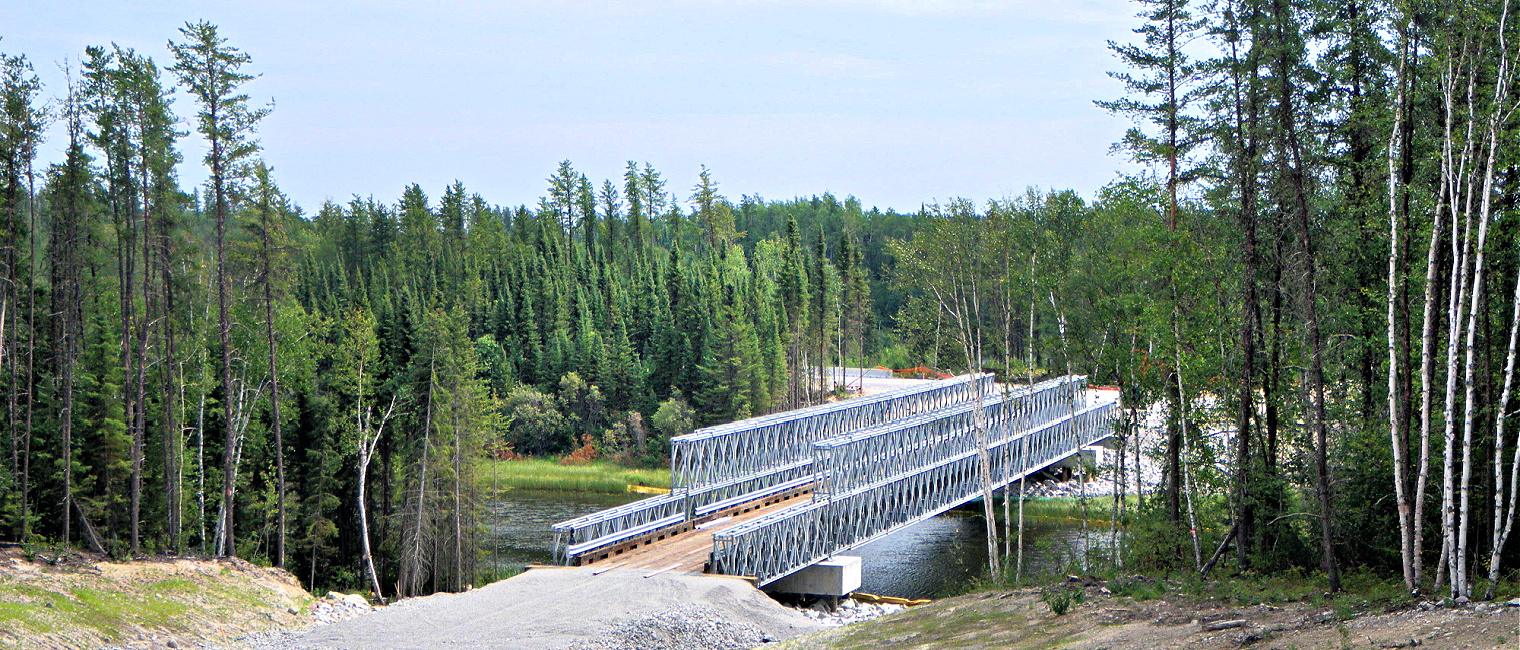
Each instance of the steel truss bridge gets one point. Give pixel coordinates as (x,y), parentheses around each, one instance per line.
(872,465)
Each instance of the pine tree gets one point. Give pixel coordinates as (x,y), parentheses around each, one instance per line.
(22,121)
(212,71)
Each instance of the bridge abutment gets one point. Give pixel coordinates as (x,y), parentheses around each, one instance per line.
(837,576)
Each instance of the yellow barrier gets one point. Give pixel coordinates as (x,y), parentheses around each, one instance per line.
(888,600)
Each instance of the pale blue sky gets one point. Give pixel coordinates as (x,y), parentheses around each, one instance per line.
(897,102)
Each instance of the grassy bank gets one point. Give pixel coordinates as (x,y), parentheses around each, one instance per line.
(1099,509)
(535,474)
(85,603)
(1284,609)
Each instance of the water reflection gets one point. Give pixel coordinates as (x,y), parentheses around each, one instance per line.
(940,556)
(519,524)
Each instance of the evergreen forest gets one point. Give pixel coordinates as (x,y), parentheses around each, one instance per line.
(1312,285)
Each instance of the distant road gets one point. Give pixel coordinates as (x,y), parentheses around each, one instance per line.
(874,385)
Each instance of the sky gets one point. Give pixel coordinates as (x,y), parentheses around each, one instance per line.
(897,102)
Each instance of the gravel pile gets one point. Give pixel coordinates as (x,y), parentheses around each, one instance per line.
(561,607)
(687,627)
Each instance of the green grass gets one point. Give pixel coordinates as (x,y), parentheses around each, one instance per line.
(110,614)
(1099,509)
(1363,591)
(603,477)
(114,614)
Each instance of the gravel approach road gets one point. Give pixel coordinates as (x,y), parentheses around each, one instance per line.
(586,607)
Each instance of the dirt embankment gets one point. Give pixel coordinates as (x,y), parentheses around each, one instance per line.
(1019,620)
(82,602)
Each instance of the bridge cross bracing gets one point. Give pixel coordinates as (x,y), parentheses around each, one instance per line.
(873,471)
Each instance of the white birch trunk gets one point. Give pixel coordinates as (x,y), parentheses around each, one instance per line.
(1395,425)
(1501,88)
(1504,513)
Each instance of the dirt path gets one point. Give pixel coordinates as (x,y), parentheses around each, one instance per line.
(1020,621)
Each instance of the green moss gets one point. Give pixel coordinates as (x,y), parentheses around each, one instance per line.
(107,613)
(18,616)
(113,614)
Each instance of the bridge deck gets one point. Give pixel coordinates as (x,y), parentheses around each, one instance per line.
(686,552)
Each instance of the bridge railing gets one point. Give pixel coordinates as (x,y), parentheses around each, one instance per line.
(760,445)
(616,525)
(774,546)
(846,461)
(606,527)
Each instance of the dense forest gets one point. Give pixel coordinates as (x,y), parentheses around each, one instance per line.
(1313,283)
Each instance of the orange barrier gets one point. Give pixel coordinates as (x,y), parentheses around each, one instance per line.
(920,371)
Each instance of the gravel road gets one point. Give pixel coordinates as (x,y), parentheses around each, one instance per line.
(547,609)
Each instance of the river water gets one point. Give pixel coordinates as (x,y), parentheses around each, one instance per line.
(926,560)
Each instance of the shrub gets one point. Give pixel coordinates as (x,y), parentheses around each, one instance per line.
(585,454)
(1061,598)
(1137,588)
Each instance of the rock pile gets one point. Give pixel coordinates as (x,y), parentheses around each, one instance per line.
(687,627)
(339,607)
(849,611)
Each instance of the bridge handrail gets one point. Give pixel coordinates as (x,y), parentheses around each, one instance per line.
(1054,431)
(573,550)
(816,409)
(630,520)
(691,498)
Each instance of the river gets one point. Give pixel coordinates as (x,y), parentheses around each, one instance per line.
(926,560)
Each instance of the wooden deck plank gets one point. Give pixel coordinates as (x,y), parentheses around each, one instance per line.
(688,550)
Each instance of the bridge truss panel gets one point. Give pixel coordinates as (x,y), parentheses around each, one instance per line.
(760,445)
(847,461)
(774,546)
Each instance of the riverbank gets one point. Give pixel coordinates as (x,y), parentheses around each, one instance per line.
(550,475)
(1097,511)
(1143,613)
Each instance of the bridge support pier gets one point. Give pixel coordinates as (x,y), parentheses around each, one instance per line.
(837,576)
